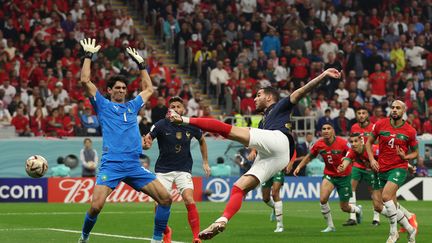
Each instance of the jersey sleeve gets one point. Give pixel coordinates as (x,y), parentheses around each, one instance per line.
(155,129)
(98,102)
(350,155)
(375,130)
(413,143)
(197,133)
(286,104)
(136,104)
(314,150)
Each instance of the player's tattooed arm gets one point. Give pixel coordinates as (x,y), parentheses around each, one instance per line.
(299,93)
(373,163)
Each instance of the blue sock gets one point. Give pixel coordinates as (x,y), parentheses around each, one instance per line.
(89,222)
(161,221)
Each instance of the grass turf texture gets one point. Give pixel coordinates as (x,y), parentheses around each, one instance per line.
(303,222)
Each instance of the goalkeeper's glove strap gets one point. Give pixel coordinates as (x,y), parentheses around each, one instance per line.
(142,66)
(88,55)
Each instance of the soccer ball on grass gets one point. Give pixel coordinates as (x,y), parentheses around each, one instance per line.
(36,166)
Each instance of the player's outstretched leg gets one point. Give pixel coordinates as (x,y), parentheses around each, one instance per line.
(242,186)
(352,221)
(412,218)
(100,193)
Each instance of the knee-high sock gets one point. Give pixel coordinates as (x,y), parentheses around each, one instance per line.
(355,209)
(193,218)
(210,125)
(392,215)
(89,222)
(161,221)
(407,213)
(352,202)
(271,203)
(403,220)
(325,210)
(278,206)
(384,212)
(234,204)
(376,216)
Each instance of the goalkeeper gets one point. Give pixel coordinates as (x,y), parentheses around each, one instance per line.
(122,143)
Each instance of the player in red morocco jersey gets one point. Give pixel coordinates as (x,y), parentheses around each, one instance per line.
(395,139)
(332,149)
(359,173)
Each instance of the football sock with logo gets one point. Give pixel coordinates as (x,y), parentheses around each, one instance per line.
(352,202)
(278,206)
(161,221)
(89,222)
(392,215)
(234,203)
(325,210)
(210,125)
(193,218)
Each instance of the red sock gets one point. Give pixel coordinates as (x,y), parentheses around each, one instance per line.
(234,203)
(193,219)
(211,125)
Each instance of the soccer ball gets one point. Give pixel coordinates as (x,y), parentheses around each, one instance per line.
(36,166)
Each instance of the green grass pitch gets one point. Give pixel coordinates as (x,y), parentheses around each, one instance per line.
(133,222)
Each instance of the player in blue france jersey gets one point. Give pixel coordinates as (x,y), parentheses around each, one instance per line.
(174,164)
(121,143)
(273,142)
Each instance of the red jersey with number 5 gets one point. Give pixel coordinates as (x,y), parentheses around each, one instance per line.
(365,133)
(390,137)
(332,155)
(362,158)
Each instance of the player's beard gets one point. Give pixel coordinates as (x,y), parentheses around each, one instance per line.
(396,117)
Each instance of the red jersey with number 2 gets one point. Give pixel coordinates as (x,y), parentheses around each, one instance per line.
(365,133)
(390,137)
(332,155)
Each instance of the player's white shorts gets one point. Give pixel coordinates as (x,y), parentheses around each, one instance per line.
(183,180)
(273,153)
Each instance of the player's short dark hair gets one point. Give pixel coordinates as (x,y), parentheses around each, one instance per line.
(220,160)
(355,134)
(87,139)
(175,99)
(362,108)
(328,123)
(271,91)
(120,78)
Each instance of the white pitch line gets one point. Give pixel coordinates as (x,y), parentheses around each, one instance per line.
(79,232)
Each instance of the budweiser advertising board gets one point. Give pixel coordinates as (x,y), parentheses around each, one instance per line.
(80,190)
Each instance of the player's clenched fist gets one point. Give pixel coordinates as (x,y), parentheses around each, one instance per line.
(136,57)
(90,47)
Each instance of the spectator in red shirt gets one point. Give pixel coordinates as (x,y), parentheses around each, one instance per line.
(21,123)
(378,80)
(38,123)
(415,122)
(427,126)
(247,105)
(299,66)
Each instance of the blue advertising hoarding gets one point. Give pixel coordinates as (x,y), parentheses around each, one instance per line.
(293,189)
(23,190)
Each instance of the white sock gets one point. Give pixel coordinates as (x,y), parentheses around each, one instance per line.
(384,212)
(355,209)
(278,206)
(407,213)
(376,216)
(270,203)
(403,220)
(185,119)
(352,202)
(325,210)
(392,215)
(222,219)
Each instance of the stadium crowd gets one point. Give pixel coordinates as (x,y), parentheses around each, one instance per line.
(383,47)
